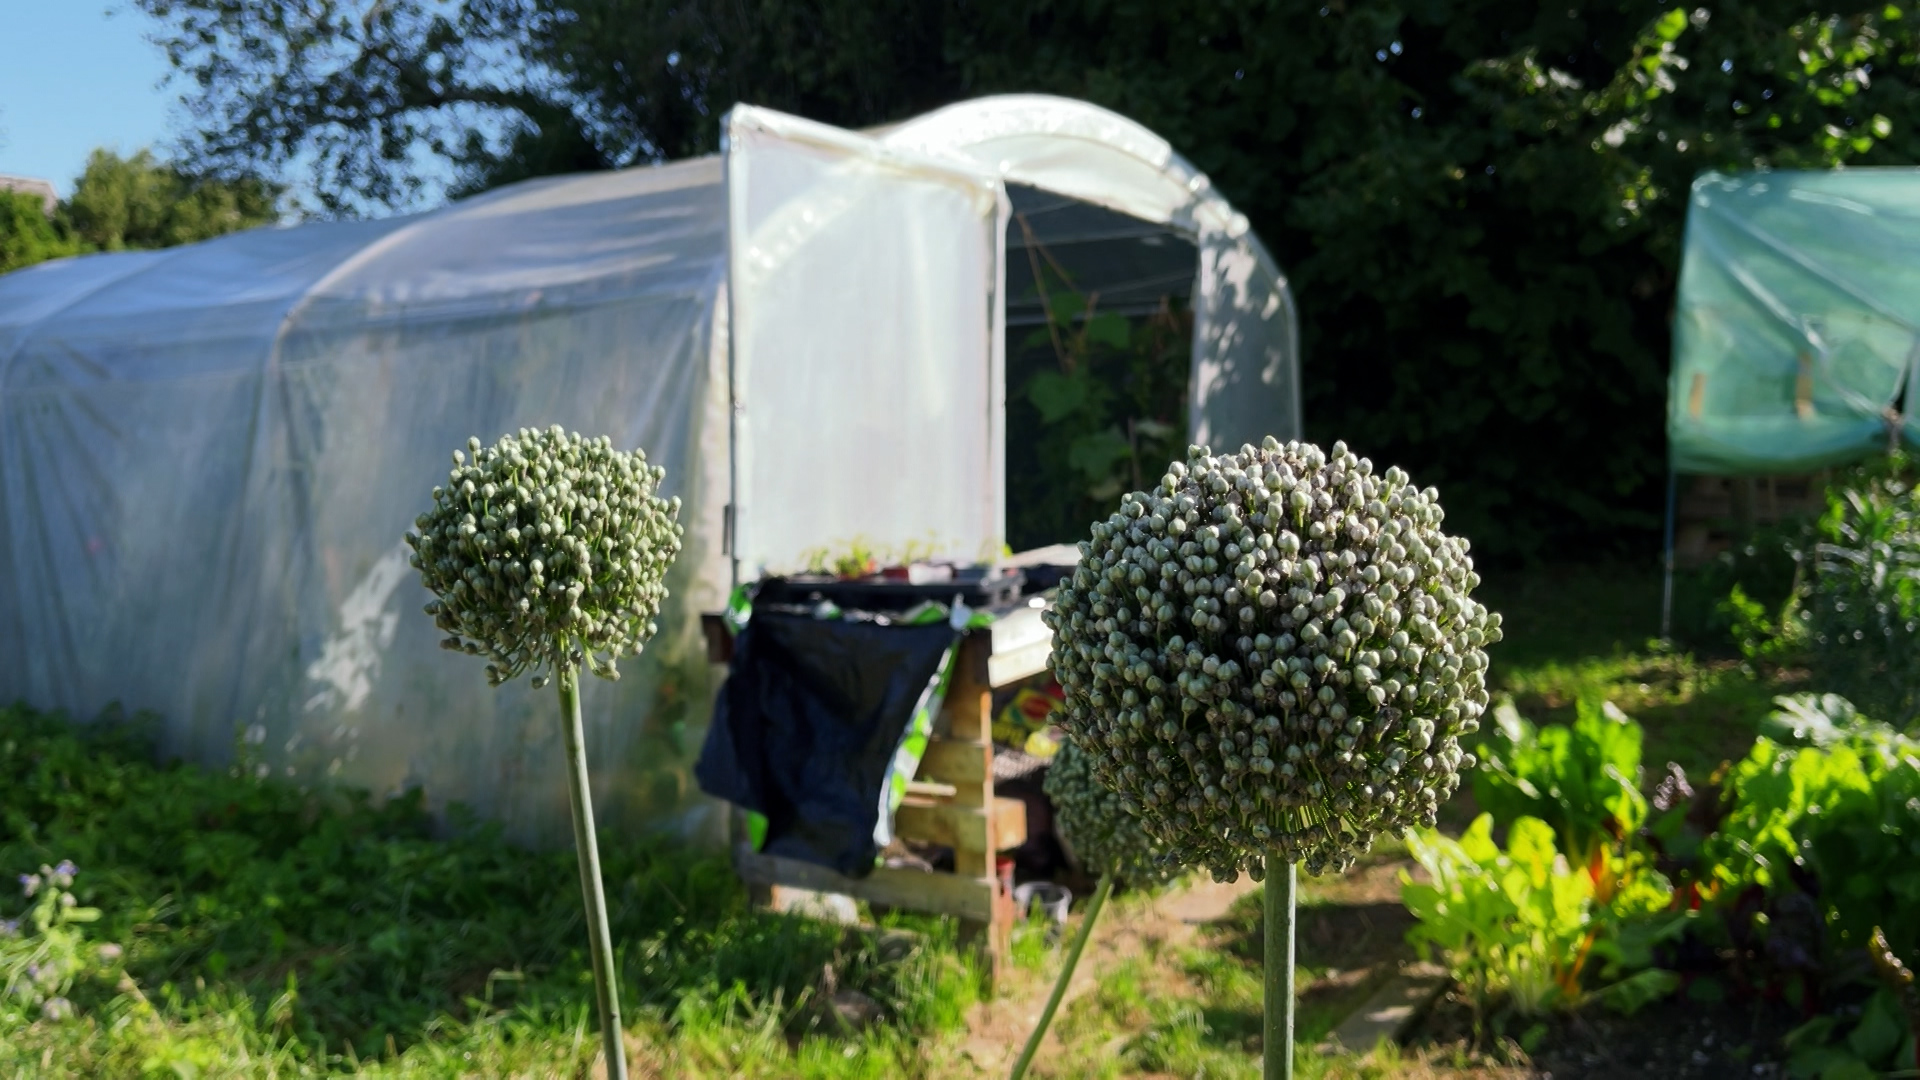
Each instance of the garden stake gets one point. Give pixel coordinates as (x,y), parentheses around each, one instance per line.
(1066,975)
(599,935)
(1277,1041)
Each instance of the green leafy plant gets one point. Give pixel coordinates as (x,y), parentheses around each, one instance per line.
(1521,928)
(546,554)
(1583,780)
(45,952)
(1808,871)
(1765,566)
(1761,634)
(1098,401)
(1862,598)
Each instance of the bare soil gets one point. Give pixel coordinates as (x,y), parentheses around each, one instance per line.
(1676,1038)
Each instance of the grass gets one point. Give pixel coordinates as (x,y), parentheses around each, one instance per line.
(1591,632)
(270,931)
(274,932)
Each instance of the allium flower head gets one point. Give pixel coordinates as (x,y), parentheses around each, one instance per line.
(1274,651)
(547,550)
(1089,818)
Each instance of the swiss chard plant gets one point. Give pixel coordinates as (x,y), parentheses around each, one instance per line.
(1806,855)
(1583,780)
(1524,931)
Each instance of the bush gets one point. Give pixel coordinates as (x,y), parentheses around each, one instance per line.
(1523,928)
(1792,873)
(1862,600)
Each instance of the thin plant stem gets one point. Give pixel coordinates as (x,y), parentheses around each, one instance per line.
(1066,975)
(599,935)
(1277,1034)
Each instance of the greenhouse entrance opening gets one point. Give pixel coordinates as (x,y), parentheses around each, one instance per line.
(1099,341)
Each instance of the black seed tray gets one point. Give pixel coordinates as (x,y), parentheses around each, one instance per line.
(972,586)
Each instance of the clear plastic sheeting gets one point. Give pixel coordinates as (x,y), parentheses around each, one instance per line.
(209,455)
(1245,383)
(1131,266)
(881,422)
(1794,339)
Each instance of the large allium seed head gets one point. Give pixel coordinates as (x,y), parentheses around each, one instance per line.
(1274,651)
(547,550)
(1089,816)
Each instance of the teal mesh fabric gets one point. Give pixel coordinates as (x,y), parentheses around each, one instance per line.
(1795,331)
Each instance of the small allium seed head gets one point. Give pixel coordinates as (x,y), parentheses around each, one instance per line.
(529,567)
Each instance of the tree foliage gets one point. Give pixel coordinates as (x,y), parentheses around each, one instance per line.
(1479,203)
(135,203)
(139,203)
(27,236)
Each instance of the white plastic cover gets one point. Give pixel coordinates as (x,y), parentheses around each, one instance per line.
(208,455)
(881,421)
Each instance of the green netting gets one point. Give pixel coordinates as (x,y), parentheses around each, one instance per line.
(1796,327)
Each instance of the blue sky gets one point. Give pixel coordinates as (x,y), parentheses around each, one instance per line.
(78,79)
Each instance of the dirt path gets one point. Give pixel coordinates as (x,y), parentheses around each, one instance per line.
(999,1027)
(1350,935)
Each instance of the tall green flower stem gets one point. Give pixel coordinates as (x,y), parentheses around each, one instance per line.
(600,936)
(1278,969)
(1066,975)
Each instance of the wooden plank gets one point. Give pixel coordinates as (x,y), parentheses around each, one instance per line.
(1393,1010)
(969,704)
(914,890)
(956,761)
(1005,669)
(928,789)
(962,828)
(1019,628)
(719,638)
(1009,823)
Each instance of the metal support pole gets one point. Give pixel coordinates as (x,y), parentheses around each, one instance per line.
(1666,562)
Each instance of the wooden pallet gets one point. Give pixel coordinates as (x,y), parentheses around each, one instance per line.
(951,803)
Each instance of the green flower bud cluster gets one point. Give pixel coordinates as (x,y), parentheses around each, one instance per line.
(1103,836)
(1274,651)
(545,551)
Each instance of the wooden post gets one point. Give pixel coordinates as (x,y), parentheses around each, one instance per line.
(969,709)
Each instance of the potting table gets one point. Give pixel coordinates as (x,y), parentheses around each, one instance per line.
(951,803)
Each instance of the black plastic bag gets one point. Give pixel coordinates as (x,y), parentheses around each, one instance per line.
(807,724)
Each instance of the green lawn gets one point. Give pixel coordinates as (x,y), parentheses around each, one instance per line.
(271,932)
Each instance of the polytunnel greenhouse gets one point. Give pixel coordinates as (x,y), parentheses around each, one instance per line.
(208,455)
